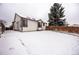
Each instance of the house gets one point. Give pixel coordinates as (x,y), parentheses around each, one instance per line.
(26,24)
(75,25)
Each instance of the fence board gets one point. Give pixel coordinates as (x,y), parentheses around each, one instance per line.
(63,28)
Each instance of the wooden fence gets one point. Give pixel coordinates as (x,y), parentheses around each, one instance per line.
(62,28)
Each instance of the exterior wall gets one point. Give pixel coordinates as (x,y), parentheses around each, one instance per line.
(44,27)
(32,26)
(17,23)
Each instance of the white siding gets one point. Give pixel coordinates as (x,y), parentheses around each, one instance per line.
(32,26)
(17,23)
(44,27)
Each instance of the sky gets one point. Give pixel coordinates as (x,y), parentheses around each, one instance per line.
(37,11)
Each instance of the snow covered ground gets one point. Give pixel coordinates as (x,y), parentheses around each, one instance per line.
(38,43)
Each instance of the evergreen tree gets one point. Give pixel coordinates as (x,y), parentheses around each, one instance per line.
(55,15)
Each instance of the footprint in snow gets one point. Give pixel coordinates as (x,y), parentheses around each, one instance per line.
(11,48)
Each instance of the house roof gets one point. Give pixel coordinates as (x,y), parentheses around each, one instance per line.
(28,18)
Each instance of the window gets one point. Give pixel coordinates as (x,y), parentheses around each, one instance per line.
(39,24)
(24,22)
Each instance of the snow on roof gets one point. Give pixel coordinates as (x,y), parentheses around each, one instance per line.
(29,18)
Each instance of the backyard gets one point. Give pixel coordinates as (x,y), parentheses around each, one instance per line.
(38,42)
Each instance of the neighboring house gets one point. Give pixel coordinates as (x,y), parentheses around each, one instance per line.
(75,25)
(26,24)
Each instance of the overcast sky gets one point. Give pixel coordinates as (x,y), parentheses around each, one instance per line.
(37,11)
